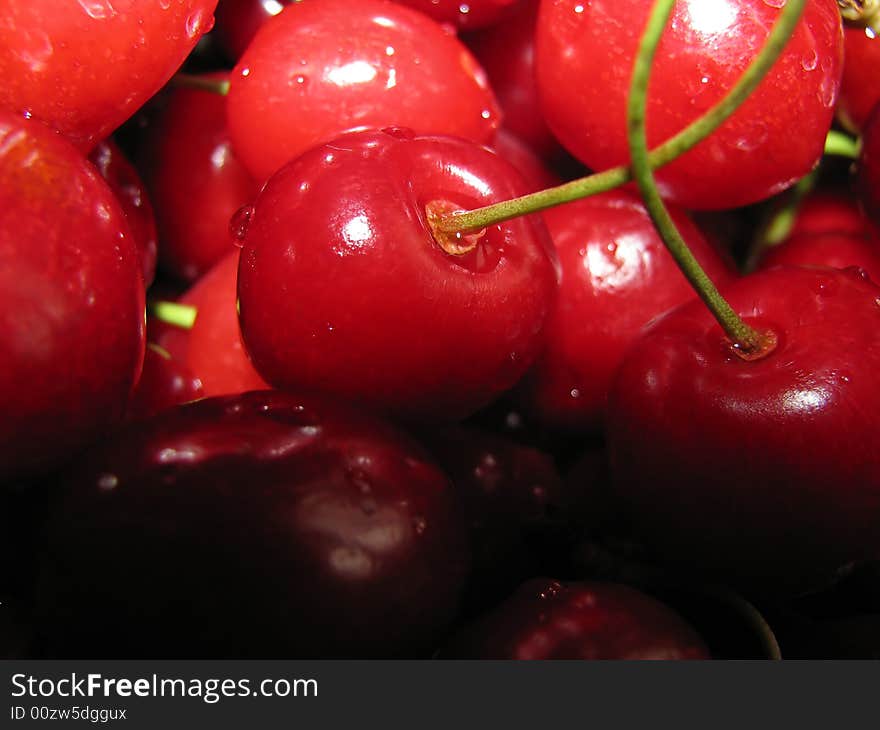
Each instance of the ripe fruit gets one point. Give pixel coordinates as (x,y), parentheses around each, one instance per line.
(343,288)
(71,300)
(859,89)
(584,60)
(465,15)
(262,525)
(87,66)
(323,67)
(836,250)
(762,472)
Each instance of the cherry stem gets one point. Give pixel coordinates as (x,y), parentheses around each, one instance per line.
(862,13)
(173,313)
(459,222)
(842,145)
(202,83)
(746,339)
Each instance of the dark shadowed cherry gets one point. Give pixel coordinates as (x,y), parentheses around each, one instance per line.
(830,211)
(867,180)
(343,287)
(463,14)
(239,20)
(835,250)
(859,88)
(546,619)
(86,67)
(324,67)
(262,525)
(760,471)
(616,276)
(212,349)
(125,182)
(506,52)
(584,59)
(165,383)
(71,300)
(195,179)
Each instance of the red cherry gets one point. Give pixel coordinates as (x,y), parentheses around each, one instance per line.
(868,168)
(616,276)
(584,58)
(262,525)
(546,619)
(464,14)
(343,288)
(126,184)
(195,179)
(533,169)
(834,250)
(859,89)
(762,472)
(324,67)
(71,300)
(164,383)
(213,349)
(830,211)
(239,20)
(86,67)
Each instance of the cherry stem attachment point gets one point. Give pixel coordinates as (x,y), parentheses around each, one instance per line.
(748,343)
(173,313)
(202,83)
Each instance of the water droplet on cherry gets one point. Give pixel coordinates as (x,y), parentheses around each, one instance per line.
(239,224)
(199,23)
(399,132)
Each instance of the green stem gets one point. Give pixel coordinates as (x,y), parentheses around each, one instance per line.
(842,145)
(747,340)
(202,83)
(179,315)
(459,222)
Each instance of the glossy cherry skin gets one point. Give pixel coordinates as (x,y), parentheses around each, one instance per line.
(323,67)
(239,20)
(71,300)
(584,59)
(212,349)
(125,182)
(537,174)
(86,67)
(343,288)
(464,15)
(763,472)
(830,211)
(195,179)
(506,52)
(262,525)
(835,250)
(616,276)
(859,89)
(165,383)
(546,619)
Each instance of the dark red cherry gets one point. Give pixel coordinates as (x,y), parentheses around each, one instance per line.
(830,211)
(867,181)
(239,20)
(464,14)
(71,300)
(835,250)
(537,174)
(195,179)
(324,67)
(584,59)
(165,383)
(86,67)
(761,471)
(343,288)
(125,182)
(616,276)
(546,619)
(859,88)
(262,525)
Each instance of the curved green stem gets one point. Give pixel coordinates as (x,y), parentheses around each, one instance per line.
(179,315)
(749,342)
(474,220)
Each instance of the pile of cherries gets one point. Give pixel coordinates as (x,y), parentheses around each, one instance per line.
(335,329)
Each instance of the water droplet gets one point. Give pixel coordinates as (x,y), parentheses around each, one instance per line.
(420,524)
(810,62)
(486,114)
(775,3)
(245,72)
(239,224)
(464,9)
(399,132)
(389,50)
(579,8)
(199,23)
(106,482)
(298,79)
(164,4)
(575,393)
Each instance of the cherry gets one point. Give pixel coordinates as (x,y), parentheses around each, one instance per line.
(239,20)
(260,525)
(125,182)
(759,471)
(616,277)
(164,383)
(465,15)
(324,67)
(195,179)
(867,180)
(212,348)
(534,170)
(86,67)
(830,211)
(859,89)
(705,49)
(71,300)
(546,619)
(835,250)
(342,286)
